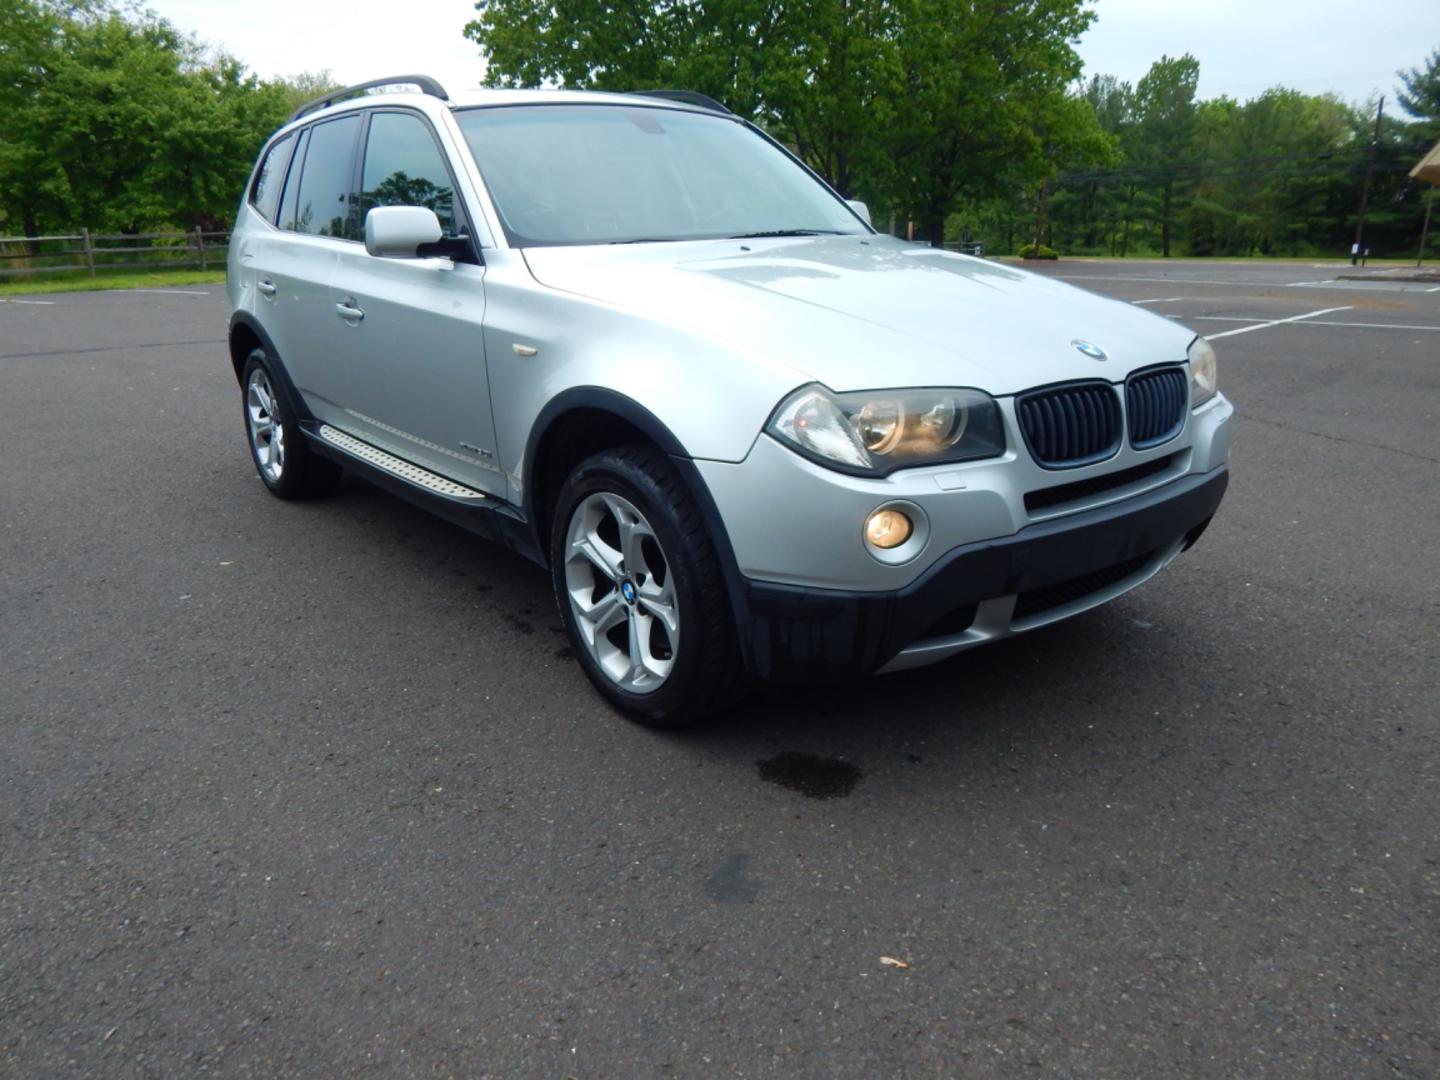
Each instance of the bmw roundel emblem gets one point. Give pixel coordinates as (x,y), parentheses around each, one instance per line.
(1091,350)
(627,590)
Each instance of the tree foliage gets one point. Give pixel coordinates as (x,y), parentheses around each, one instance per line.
(305,87)
(119,122)
(966,117)
(1165,123)
(1279,174)
(909,104)
(1420,95)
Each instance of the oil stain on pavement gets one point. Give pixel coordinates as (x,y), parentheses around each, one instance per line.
(815,777)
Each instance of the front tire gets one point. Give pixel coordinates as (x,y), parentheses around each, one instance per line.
(284,460)
(640,589)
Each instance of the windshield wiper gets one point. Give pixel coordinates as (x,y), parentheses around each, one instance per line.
(786,232)
(652,240)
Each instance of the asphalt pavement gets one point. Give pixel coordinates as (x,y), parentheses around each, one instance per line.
(315,788)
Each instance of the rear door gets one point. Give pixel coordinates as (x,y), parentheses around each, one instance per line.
(273,275)
(255,227)
(414,355)
(319,219)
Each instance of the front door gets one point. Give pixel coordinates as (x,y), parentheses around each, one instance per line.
(411,337)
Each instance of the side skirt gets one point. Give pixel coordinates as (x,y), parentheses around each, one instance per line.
(475,511)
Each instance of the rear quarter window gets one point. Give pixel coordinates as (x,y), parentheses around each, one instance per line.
(270,180)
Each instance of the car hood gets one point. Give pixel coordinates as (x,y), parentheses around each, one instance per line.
(865,312)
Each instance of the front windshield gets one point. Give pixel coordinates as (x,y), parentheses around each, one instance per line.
(598,174)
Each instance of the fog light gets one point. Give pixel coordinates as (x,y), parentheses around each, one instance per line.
(888,528)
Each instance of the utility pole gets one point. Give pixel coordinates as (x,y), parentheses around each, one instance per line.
(1358,250)
(1425,229)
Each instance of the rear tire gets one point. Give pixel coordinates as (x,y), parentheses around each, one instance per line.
(640,589)
(282,456)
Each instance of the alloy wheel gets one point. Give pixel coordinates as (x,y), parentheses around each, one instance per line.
(621,592)
(267,433)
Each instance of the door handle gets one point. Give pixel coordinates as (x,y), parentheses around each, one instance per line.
(349,310)
(266,287)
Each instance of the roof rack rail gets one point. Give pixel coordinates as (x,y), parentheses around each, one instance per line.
(426,84)
(688,97)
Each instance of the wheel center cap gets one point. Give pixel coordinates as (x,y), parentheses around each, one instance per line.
(627,590)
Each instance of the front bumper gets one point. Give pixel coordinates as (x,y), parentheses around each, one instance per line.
(1009,545)
(977,592)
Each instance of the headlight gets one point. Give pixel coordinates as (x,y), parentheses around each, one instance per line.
(1204,376)
(875,432)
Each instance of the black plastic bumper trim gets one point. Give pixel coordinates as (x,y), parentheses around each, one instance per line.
(798,633)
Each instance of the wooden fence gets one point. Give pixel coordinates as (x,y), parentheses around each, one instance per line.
(23,255)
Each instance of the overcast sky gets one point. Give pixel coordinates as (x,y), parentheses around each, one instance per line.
(1244,46)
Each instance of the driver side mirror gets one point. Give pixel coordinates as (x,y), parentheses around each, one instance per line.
(403,232)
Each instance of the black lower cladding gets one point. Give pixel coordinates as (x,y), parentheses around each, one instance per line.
(797,633)
(1048,597)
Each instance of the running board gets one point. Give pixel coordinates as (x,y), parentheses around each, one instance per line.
(398,467)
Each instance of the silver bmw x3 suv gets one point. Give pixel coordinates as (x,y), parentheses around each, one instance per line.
(636,340)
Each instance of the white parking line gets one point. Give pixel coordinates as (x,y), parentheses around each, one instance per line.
(1250,283)
(1279,322)
(1161,280)
(1320,322)
(37,303)
(1167,300)
(1373,325)
(1359,286)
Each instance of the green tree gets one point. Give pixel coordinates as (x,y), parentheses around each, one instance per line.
(1071,137)
(306,86)
(1420,96)
(1278,174)
(911,104)
(31,31)
(810,72)
(1272,174)
(1166,121)
(1104,204)
(982,94)
(121,123)
(1113,102)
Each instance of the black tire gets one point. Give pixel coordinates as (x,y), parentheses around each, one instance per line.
(289,467)
(705,673)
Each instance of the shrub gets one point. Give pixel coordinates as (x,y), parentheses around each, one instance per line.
(1037,251)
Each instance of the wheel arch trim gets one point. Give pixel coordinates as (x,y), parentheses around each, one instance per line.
(602,399)
(251,325)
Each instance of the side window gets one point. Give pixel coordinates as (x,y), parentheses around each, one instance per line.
(403,167)
(265,195)
(326,203)
(292,184)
